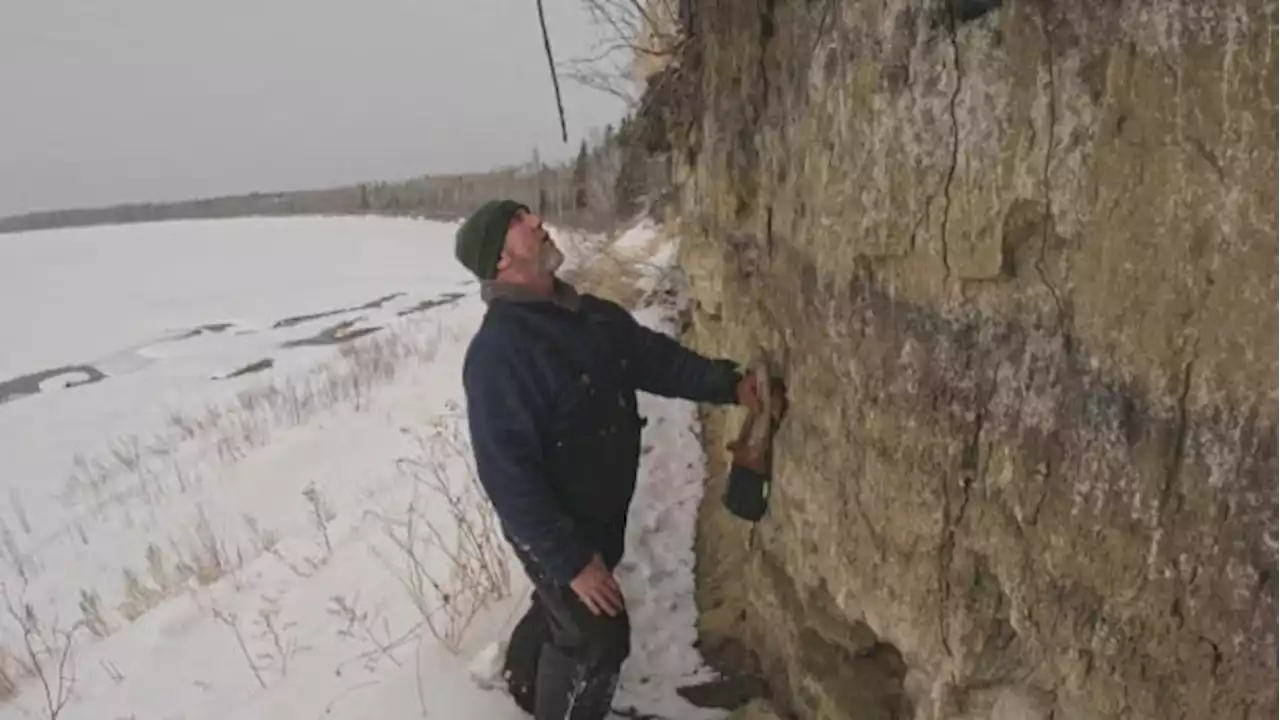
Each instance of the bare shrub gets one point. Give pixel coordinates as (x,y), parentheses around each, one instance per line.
(133,466)
(210,559)
(321,515)
(187,427)
(185,480)
(12,670)
(360,627)
(112,671)
(18,560)
(230,431)
(160,574)
(283,646)
(230,620)
(47,653)
(86,475)
(20,510)
(474,572)
(264,540)
(91,610)
(637,38)
(138,598)
(312,564)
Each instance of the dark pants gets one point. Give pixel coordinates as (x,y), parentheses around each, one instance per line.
(562,662)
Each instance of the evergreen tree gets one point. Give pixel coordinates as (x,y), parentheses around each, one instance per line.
(580,179)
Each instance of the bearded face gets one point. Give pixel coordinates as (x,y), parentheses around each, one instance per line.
(529,249)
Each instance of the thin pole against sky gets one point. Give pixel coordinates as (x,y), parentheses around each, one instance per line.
(551,63)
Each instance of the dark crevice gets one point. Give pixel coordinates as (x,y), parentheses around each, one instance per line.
(1217,655)
(945,551)
(729,691)
(1044,493)
(1048,226)
(970,10)
(767,31)
(1176,458)
(747,164)
(854,682)
(1209,157)
(631,713)
(961,12)
(872,531)
(915,228)
(955,136)
(822,29)
(768,232)
(972,471)
(973,468)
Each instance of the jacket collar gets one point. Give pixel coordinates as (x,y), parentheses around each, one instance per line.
(563,294)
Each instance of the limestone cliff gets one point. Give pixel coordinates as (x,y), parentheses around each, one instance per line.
(1018,263)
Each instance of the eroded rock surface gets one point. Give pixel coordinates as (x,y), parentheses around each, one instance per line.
(1019,265)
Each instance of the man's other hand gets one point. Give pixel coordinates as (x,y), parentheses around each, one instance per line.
(598,588)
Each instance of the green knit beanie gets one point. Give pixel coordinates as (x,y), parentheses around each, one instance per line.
(481,238)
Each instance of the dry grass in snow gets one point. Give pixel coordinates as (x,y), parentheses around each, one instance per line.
(312,541)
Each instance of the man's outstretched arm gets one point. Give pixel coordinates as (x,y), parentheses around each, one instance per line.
(508,414)
(663,366)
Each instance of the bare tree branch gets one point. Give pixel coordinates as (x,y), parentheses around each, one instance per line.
(551,63)
(594,79)
(630,30)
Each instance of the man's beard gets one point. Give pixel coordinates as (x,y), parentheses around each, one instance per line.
(549,258)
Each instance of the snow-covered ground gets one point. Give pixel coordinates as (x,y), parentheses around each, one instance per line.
(236,481)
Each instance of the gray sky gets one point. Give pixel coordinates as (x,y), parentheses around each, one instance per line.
(106,101)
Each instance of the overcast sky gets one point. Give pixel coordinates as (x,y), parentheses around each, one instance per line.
(106,101)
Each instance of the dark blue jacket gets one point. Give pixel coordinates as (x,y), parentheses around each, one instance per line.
(551,397)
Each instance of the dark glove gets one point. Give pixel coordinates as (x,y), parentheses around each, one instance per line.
(747,494)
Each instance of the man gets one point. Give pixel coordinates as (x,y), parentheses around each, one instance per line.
(551,379)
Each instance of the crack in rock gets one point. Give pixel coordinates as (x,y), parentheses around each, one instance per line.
(972,472)
(955,139)
(1174,468)
(1047,224)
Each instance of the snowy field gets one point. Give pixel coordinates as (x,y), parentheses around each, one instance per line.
(236,481)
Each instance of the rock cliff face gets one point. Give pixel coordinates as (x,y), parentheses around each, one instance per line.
(1018,263)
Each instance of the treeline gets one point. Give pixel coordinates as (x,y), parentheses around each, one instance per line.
(607,182)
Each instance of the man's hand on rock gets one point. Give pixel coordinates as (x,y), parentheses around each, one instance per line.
(747,393)
(598,588)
